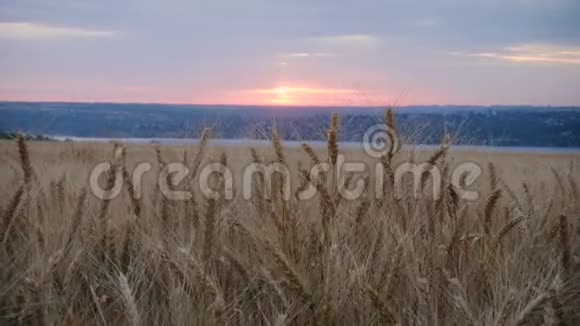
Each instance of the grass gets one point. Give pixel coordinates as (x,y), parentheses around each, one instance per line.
(69,258)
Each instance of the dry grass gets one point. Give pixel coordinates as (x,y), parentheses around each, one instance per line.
(68,258)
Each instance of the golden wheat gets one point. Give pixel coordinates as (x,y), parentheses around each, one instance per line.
(508,259)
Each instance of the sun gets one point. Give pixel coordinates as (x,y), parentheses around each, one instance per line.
(281,91)
(283,95)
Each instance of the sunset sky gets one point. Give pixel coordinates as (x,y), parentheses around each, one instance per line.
(299,52)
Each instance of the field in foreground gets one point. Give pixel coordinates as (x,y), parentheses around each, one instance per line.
(68,258)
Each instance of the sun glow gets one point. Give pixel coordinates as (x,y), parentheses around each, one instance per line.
(281,95)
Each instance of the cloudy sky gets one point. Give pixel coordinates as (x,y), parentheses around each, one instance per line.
(298,52)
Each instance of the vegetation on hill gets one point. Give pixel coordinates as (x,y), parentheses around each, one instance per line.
(15,135)
(499,126)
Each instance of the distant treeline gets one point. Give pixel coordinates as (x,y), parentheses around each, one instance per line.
(13,135)
(471,125)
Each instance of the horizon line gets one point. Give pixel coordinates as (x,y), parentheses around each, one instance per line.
(292,105)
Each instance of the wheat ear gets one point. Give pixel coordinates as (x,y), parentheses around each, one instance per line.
(488,211)
(203,140)
(24,156)
(492,176)
(278,148)
(310,152)
(332,140)
(505,230)
(129,301)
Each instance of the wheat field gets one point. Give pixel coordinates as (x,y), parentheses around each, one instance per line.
(512,257)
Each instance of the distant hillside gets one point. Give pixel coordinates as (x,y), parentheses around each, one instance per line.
(14,135)
(494,125)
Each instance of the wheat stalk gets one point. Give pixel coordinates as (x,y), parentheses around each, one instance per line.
(553,311)
(361,211)
(60,193)
(529,200)
(559,181)
(133,197)
(460,302)
(76,220)
(436,157)
(202,277)
(564,246)
(387,317)
(440,153)
(9,213)
(505,230)
(129,300)
(305,181)
(210,216)
(103,228)
(506,310)
(291,278)
(526,313)
(160,161)
(393,142)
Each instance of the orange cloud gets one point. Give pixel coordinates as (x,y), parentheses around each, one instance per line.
(532,53)
(32,31)
(284,95)
(356,40)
